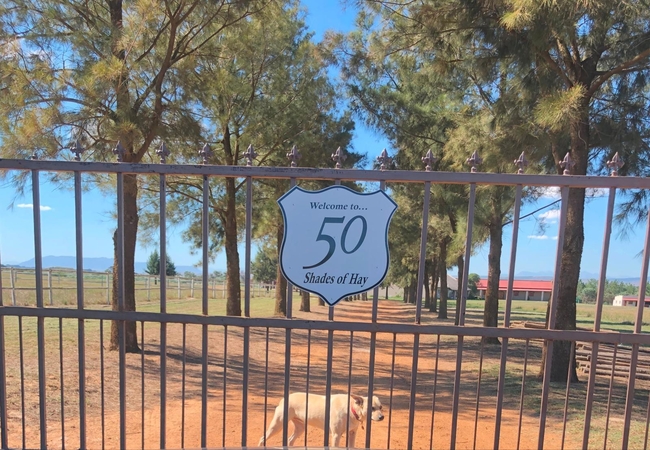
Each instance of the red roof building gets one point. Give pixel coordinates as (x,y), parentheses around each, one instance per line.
(521,289)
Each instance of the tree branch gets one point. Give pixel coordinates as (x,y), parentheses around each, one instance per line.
(598,82)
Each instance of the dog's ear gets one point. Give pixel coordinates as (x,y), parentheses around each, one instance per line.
(358,400)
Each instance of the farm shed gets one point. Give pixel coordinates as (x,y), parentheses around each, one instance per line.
(629,300)
(521,289)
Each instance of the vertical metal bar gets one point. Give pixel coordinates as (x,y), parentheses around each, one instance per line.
(120,302)
(307,384)
(347,422)
(567,393)
(629,400)
(163,309)
(183,387)
(647,426)
(81,332)
(12,281)
(287,371)
(40,321)
(49,287)
(423,251)
(468,252)
(506,316)
(435,385)
(462,295)
(266,381)
(22,377)
(478,392)
(225,379)
(61,380)
(523,392)
(599,311)
(204,349)
(101,376)
(287,358)
(609,396)
(328,380)
(551,317)
(390,398)
(414,379)
(373,346)
(328,371)
(247,307)
(142,387)
(418,310)
(4,439)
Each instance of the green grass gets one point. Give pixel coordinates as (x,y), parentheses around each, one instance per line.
(613,318)
(98,288)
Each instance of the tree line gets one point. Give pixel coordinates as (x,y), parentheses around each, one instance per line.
(235,82)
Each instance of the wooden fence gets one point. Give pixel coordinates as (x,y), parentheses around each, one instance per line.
(59,287)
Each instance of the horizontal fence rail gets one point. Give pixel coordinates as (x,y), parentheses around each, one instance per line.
(302,173)
(183,373)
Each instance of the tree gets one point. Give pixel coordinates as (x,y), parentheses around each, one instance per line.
(265,265)
(600,71)
(153,265)
(581,69)
(110,74)
(472,281)
(268,90)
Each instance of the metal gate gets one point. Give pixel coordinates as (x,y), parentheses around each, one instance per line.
(211,380)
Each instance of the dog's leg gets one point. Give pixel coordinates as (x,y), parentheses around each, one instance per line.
(274,427)
(298,429)
(351,437)
(336,439)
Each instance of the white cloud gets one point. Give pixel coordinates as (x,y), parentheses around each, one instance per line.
(550,192)
(541,237)
(554,192)
(597,192)
(553,214)
(31,206)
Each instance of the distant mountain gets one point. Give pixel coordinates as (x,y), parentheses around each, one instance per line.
(96,264)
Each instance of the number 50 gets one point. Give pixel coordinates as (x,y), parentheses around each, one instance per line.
(332,243)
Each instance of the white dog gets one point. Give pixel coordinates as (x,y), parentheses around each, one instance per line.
(340,416)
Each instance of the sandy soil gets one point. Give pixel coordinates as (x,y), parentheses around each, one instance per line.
(266,364)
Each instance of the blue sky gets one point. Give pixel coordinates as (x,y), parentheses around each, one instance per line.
(536,252)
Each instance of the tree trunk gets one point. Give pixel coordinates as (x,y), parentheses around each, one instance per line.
(491,312)
(572,248)
(442,273)
(427,292)
(433,307)
(321,302)
(413,292)
(460,294)
(130,198)
(130,233)
(233,282)
(233,287)
(305,299)
(406,294)
(434,289)
(281,282)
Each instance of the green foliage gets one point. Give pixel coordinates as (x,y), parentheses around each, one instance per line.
(588,290)
(153,265)
(472,279)
(265,264)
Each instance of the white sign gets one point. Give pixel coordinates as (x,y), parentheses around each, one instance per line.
(335,240)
